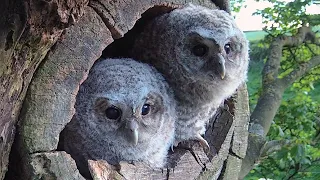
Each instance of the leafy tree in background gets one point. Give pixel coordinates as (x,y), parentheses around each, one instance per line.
(285,104)
(236,5)
(293,139)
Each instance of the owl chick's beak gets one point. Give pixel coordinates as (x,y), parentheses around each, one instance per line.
(133,133)
(221,66)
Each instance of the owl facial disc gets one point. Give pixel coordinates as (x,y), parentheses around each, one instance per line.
(132,130)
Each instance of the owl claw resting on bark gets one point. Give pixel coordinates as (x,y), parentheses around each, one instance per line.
(125,111)
(203,55)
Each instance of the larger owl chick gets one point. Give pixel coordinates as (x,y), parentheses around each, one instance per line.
(125,111)
(204,57)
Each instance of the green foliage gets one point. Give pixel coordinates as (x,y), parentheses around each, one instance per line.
(286,17)
(295,121)
(300,108)
(236,5)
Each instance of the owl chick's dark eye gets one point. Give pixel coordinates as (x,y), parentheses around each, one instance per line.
(200,50)
(113,113)
(145,109)
(227,48)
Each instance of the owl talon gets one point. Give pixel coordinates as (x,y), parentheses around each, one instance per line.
(203,143)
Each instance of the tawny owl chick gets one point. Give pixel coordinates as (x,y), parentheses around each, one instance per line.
(125,111)
(204,57)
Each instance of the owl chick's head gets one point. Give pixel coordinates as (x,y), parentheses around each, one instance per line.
(125,99)
(196,45)
(212,46)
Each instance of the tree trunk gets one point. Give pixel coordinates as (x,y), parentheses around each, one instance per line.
(28,30)
(273,88)
(62,40)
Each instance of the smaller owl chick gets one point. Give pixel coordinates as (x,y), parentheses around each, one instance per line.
(125,111)
(203,55)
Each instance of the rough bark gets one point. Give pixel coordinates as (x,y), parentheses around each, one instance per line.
(240,136)
(28,30)
(273,88)
(54,165)
(40,33)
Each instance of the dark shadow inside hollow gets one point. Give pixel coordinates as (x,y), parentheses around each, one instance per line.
(121,47)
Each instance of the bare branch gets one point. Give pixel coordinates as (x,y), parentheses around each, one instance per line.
(272,91)
(271,69)
(292,54)
(273,87)
(273,146)
(310,49)
(301,70)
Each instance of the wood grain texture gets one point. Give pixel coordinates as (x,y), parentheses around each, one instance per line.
(49,102)
(54,165)
(61,44)
(51,95)
(28,30)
